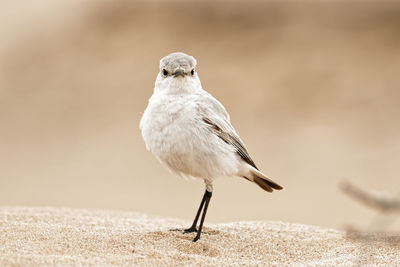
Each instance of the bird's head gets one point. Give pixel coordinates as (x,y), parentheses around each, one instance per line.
(177,71)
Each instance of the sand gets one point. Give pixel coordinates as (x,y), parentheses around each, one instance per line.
(62,236)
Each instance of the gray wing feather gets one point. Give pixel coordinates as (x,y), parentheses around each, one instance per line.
(231,140)
(215,116)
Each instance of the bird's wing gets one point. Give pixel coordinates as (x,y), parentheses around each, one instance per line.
(216,118)
(212,106)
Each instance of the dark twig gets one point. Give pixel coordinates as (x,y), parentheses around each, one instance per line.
(383,203)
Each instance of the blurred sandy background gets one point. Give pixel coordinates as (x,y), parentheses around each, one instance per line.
(312,88)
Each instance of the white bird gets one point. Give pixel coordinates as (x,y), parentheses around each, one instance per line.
(189,131)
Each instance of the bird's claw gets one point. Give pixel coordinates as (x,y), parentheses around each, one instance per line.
(197,237)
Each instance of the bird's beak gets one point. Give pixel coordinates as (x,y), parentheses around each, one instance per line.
(179,72)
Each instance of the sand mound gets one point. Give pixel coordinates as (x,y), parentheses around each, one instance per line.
(63,236)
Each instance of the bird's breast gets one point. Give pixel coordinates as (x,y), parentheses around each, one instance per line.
(175,133)
(166,123)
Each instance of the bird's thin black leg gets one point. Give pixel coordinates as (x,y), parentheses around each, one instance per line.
(193,227)
(207,201)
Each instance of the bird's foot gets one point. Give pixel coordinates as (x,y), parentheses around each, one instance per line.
(197,237)
(190,230)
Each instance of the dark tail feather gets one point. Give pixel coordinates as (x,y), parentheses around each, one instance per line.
(264,182)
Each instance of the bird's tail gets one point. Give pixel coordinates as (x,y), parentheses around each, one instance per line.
(263,181)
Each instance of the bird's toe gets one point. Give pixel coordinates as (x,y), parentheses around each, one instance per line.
(197,237)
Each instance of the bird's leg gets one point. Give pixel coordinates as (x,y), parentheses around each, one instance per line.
(207,196)
(193,227)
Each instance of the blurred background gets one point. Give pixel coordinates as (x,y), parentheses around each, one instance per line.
(313,89)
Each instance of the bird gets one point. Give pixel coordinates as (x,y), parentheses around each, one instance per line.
(189,131)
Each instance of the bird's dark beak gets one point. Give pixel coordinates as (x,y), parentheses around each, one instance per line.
(179,73)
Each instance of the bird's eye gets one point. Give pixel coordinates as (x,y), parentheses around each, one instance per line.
(192,72)
(164,72)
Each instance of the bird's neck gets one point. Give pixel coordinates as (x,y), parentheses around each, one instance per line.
(178,86)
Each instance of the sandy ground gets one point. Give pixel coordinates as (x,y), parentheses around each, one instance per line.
(64,236)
